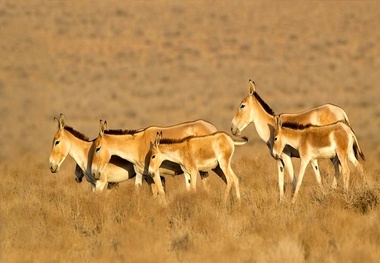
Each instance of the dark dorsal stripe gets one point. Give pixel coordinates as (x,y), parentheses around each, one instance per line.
(297,126)
(173,141)
(120,132)
(263,104)
(77,134)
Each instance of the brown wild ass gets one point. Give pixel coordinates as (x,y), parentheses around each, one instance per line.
(68,141)
(335,141)
(254,110)
(134,146)
(198,153)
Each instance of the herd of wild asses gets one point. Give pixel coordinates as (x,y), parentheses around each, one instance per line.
(193,148)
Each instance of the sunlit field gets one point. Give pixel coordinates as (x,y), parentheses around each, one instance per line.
(51,218)
(141,63)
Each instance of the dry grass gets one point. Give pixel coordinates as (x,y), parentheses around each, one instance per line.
(50,218)
(141,63)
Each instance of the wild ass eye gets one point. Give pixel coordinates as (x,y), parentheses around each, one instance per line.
(275,138)
(153,156)
(56,143)
(98,149)
(242,106)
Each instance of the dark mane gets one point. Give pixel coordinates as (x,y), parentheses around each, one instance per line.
(77,134)
(263,104)
(173,141)
(120,132)
(297,126)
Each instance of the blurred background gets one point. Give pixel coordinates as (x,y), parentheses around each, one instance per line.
(141,63)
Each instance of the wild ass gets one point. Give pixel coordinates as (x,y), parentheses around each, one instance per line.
(253,109)
(134,146)
(68,141)
(335,141)
(198,153)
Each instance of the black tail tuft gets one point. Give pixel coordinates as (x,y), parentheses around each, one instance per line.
(362,156)
(245,138)
(358,152)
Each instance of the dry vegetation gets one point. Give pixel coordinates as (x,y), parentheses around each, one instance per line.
(51,218)
(143,63)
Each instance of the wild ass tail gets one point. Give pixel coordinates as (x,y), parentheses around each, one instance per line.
(346,121)
(357,149)
(240,141)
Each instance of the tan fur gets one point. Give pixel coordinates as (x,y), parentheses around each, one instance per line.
(209,152)
(251,110)
(335,141)
(65,143)
(135,147)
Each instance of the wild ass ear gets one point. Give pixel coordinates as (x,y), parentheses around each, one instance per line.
(278,121)
(252,87)
(61,121)
(101,127)
(55,119)
(158,138)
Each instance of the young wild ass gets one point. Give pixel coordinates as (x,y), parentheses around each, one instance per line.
(134,146)
(68,141)
(334,141)
(198,153)
(254,110)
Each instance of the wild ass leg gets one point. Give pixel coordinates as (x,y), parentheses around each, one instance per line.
(280,168)
(359,167)
(314,164)
(345,170)
(193,179)
(138,179)
(223,176)
(100,185)
(187,176)
(160,189)
(78,174)
(204,178)
(230,178)
(235,181)
(188,179)
(300,178)
(153,187)
(337,171)
(285,163)
(289,167)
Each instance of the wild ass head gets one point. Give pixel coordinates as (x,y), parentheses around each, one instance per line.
(60,147)
(100,154)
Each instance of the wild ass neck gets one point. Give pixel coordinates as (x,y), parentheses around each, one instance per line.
(172,152)
(79,150)
(124,146)
(291,137)
(264,122)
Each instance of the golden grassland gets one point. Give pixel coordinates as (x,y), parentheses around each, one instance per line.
(141,63)
(50,218)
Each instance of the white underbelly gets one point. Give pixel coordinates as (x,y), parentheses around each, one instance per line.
(116,174)
(118,178)
(324,152)
(207,165)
